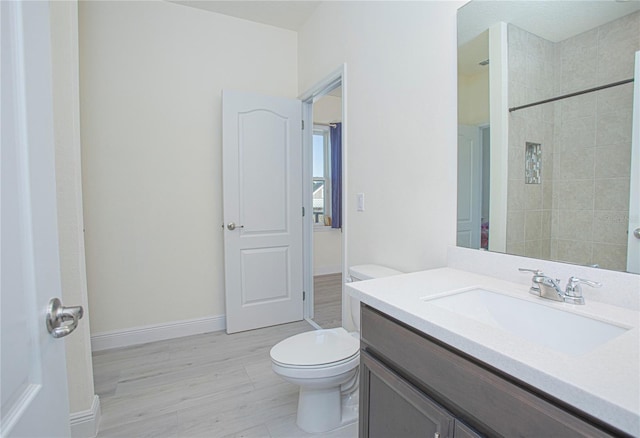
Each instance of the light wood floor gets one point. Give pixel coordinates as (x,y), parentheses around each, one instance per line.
(328,300)
(210,385)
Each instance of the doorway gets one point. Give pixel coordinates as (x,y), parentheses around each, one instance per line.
(327,238)
(323,189)
(287,269)
(473,186)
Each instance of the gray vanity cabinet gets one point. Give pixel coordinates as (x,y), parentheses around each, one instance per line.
(396,408)
(412,385)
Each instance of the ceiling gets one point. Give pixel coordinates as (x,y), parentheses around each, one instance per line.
(285,14)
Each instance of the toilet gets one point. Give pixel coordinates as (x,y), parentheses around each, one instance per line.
(324,363)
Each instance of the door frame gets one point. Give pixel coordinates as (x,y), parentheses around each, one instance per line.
(337,78)
(485,149)
(633,256)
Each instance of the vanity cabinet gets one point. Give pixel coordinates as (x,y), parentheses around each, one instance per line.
(396,408)
(412,385)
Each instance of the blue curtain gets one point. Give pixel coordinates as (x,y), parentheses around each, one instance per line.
(335,134)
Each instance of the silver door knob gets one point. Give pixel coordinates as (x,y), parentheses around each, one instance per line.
(636,233)
(232,226)
(61,320)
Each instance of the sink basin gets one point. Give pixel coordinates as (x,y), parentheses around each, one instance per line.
(544,325)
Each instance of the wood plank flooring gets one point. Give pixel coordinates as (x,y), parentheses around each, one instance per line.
(328,300)
(210,385)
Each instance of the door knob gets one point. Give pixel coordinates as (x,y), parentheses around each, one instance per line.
(232,226)
(61,320)
(636,233)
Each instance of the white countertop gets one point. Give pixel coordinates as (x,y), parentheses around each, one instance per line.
(605,382)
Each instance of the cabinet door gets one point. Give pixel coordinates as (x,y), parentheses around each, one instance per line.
(461,430)
(391,407)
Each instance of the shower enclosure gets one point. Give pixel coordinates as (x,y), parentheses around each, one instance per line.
(569,144)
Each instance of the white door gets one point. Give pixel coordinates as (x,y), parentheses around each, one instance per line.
(633,242)
(469,186)
(262,179)
(33,376)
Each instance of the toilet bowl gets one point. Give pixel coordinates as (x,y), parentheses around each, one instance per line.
(324,363)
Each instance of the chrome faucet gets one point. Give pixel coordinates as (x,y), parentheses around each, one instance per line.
(546,287)
(543,286)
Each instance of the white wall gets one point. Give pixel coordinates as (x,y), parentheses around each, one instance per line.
(473,99)
(327,251)
(64,45)
(402,119)
(327,109)
(151,77)
(327,242)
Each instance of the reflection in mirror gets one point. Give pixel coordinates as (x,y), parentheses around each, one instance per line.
(545,94)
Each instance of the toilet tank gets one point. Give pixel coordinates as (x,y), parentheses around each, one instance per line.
(365,272)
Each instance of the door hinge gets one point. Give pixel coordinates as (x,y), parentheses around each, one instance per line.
(302,211)
(302,124)
(304,295)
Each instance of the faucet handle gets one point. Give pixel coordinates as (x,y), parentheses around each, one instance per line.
(573,286)
(535,288)
(573,292)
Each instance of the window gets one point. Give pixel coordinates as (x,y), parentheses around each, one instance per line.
(321,177)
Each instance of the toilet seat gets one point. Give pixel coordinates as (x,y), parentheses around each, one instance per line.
(316,349)
(320,366)
(322,372)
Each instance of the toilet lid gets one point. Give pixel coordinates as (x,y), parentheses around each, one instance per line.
(318,347)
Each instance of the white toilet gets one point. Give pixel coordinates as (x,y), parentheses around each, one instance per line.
(324,363)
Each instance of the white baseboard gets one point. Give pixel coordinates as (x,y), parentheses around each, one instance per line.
(326,270)
(157,332)
(85,424)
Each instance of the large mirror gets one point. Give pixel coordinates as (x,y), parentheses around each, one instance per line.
(545,143)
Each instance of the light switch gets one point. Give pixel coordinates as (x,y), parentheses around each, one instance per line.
(360,201)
